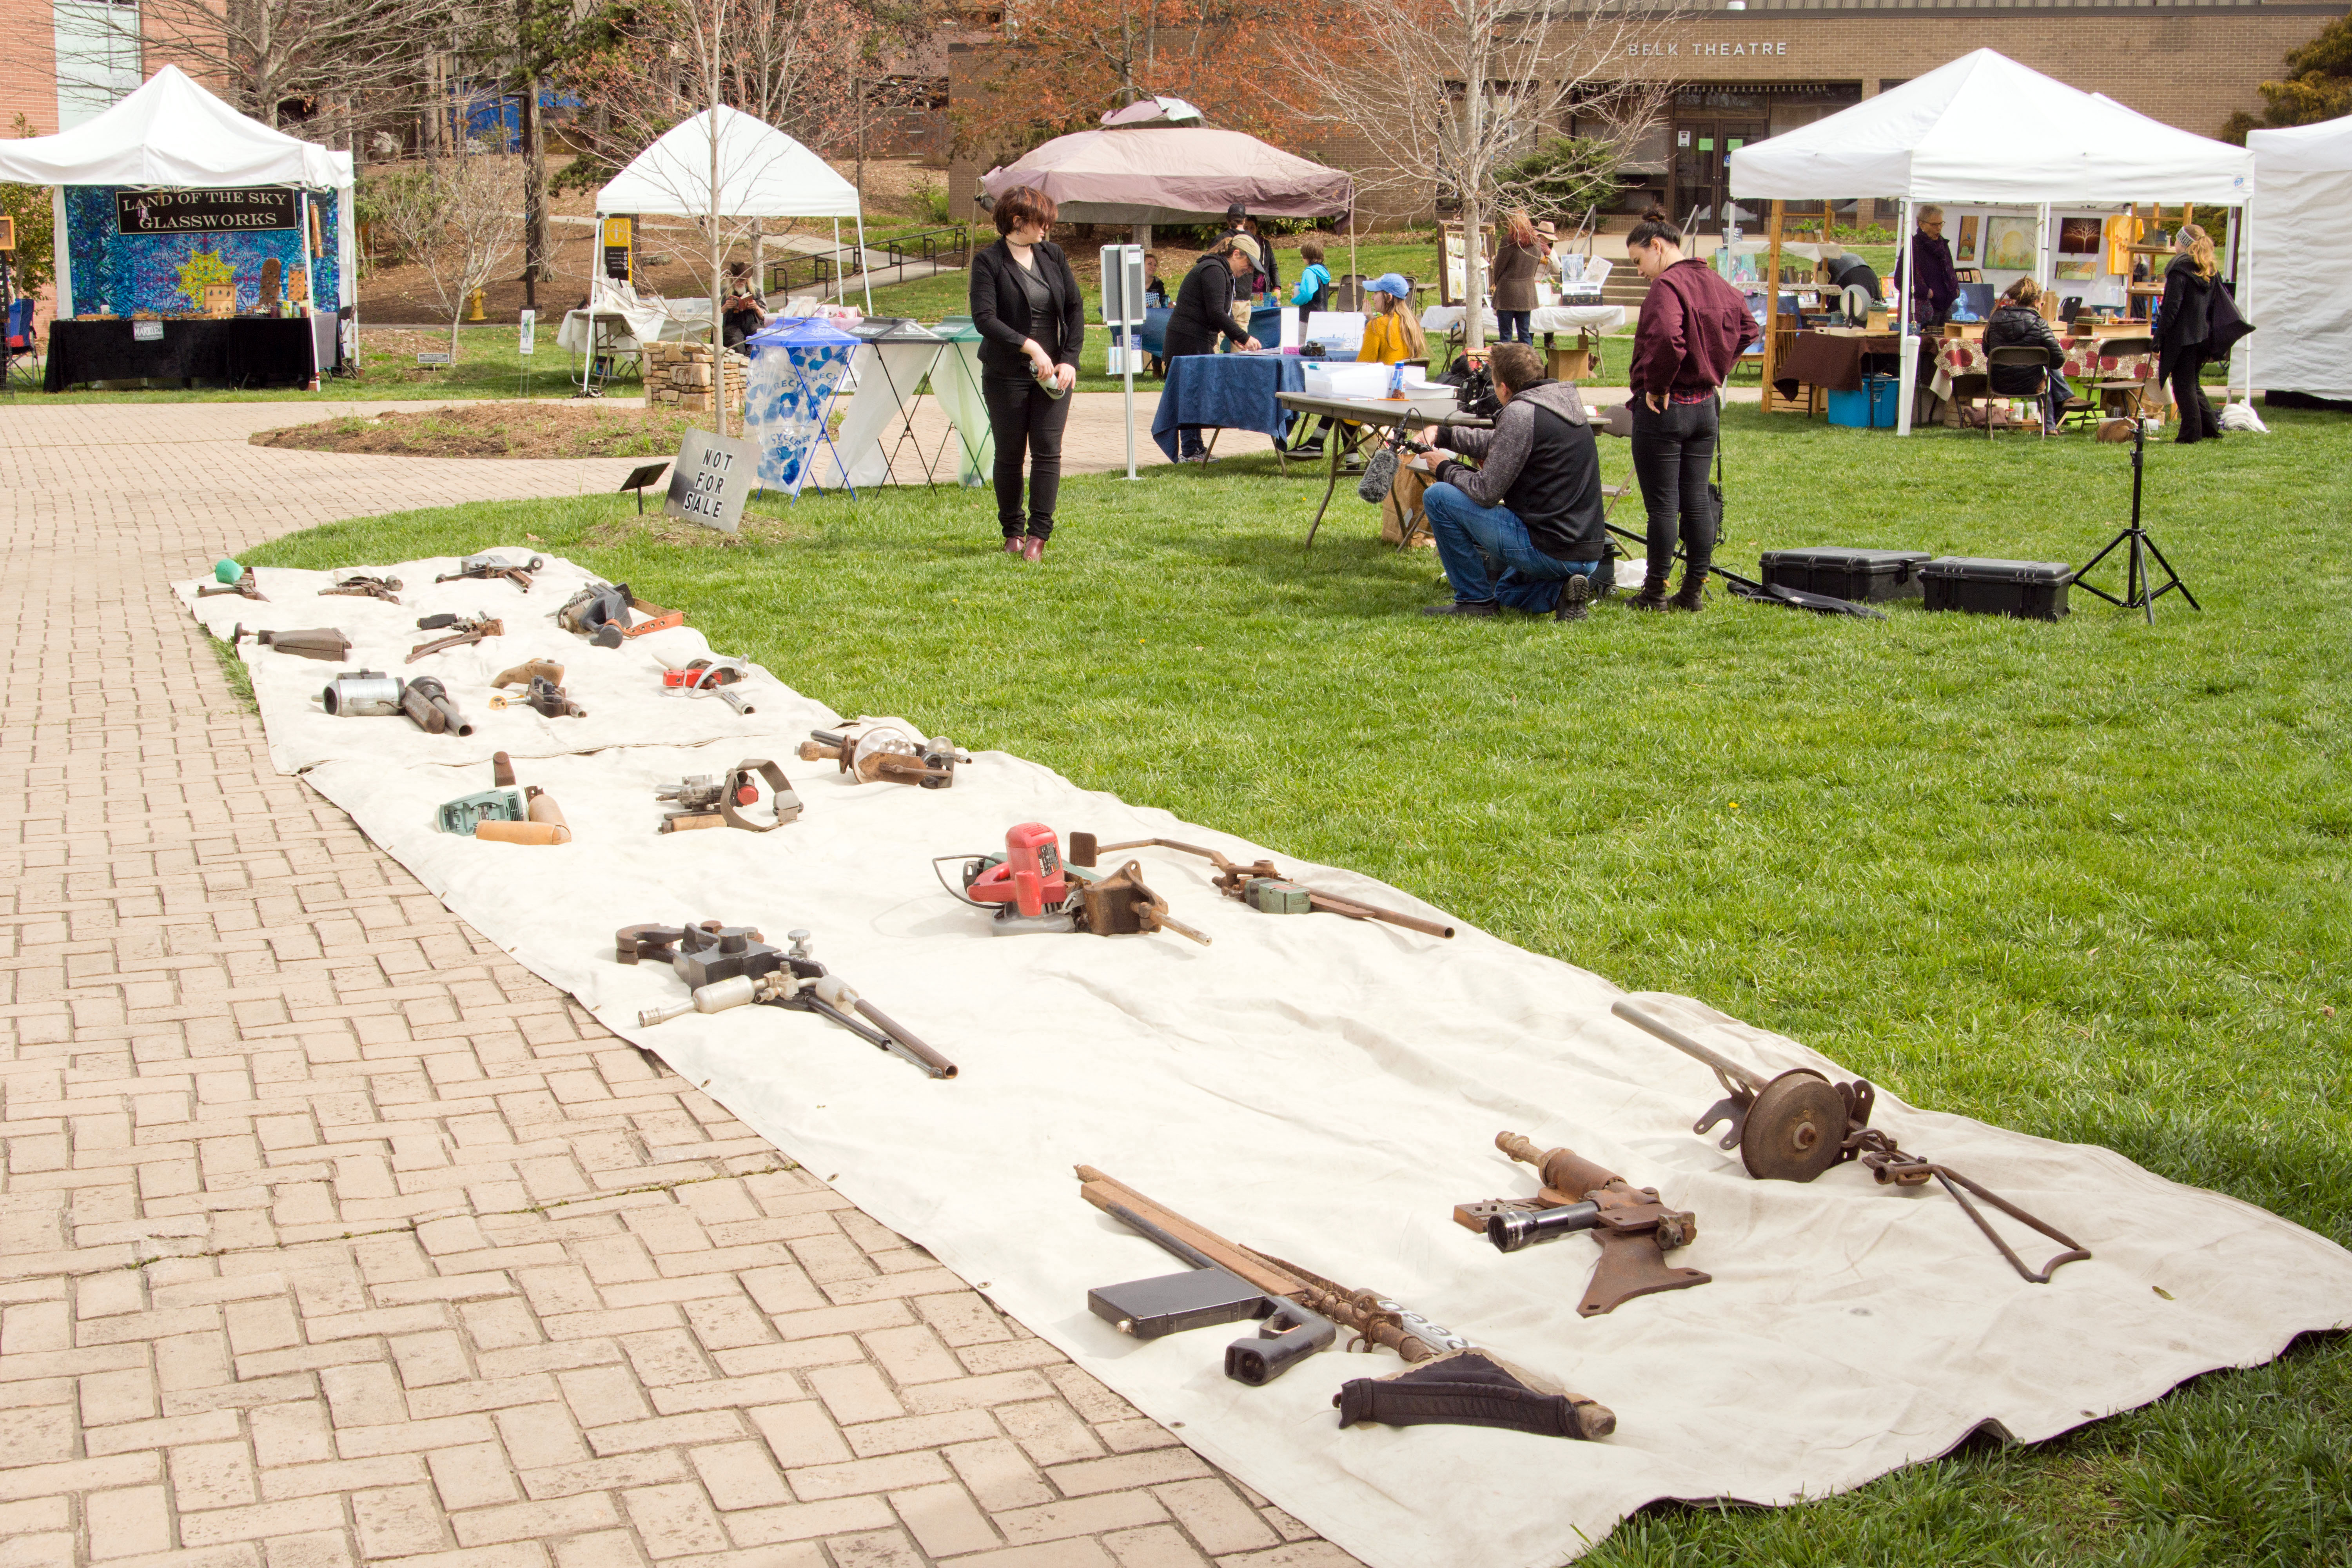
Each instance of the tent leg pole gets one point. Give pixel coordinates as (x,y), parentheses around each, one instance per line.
(1907,363)
(864,275)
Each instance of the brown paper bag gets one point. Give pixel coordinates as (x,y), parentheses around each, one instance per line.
(1403,499)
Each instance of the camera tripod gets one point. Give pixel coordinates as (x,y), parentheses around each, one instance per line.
(2140,592)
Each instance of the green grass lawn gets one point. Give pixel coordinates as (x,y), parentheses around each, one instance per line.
(2087,880)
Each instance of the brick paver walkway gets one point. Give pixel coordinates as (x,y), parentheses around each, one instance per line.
(329,1235)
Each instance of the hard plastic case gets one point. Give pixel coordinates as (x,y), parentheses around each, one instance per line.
(2032,589)
(1865,576)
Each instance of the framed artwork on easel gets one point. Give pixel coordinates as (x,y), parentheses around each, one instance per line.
(1965,253)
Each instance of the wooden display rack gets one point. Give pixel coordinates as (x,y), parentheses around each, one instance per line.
(1774,403)
(2141,295)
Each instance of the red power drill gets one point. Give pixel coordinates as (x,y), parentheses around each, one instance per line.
(1030,877)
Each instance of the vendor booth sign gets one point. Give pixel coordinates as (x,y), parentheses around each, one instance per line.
(204,211)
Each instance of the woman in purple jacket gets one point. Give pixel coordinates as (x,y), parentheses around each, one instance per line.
(1692,329)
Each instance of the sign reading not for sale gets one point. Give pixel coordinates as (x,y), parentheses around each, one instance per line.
(711,479)
(204,211)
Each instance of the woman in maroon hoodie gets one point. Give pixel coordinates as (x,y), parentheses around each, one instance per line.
(1694,328)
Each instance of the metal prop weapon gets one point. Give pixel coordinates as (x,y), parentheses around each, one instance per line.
(1302,1313)
(1795,1126)
(730,966)
(1634,1229)
(1261,885)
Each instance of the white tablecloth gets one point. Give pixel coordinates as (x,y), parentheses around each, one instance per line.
(633,325)
(1548,319)
(886,376)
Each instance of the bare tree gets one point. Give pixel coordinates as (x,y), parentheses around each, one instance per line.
(1451,93)
(264,55)
(453,214)
(788,63)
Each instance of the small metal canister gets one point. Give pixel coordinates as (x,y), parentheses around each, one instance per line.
(1268,896)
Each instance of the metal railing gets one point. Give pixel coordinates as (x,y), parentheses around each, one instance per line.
(938,248)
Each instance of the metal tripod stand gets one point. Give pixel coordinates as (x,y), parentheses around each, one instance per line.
(2140,592)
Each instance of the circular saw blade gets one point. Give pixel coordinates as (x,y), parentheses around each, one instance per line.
(1796,1129)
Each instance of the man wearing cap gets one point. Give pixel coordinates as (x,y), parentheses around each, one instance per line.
(1203,313)
(1525,527)
(1239,225)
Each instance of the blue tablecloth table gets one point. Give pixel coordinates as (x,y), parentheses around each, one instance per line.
(1233,392)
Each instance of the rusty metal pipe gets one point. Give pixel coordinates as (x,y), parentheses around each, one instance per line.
(1730,1071)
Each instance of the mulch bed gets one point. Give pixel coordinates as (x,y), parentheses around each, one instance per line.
(493,430)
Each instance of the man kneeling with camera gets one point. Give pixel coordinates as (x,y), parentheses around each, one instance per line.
(1524,528)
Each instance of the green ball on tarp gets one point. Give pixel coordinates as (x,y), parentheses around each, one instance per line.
(228,571)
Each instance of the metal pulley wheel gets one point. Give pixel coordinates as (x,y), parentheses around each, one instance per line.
(1796,1129)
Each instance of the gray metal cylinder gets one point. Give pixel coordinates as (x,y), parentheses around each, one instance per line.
(363,694)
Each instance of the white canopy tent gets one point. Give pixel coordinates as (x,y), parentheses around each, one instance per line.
(758,171)
(2294,260)
(1987,130)
(171,133)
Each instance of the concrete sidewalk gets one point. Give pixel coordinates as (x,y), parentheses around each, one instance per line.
(328,1234)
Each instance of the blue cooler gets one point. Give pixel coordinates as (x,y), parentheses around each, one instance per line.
(1870,409)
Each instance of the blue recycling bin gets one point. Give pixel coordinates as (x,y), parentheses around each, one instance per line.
(1872,407)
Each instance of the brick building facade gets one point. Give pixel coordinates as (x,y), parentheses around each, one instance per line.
(1773,65)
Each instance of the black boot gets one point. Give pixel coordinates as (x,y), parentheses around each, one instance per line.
(1692,594)
(1652,595)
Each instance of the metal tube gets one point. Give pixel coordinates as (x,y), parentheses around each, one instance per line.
(1731,1070)
(1332,904)
(913,1049)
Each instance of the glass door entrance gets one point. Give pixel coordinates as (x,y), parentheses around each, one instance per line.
(1702,150)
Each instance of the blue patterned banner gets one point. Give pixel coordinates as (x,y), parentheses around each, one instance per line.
(166,274)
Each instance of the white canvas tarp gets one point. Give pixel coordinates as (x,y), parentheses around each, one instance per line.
(1322,1090)
(1987,129)
(762,172)
(2296,282)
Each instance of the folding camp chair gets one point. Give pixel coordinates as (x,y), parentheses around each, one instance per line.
(20,357)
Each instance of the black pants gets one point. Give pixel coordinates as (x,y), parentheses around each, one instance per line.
(1672,449)
(1027,423)
(2196,414)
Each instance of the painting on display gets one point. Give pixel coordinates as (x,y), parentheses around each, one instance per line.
(1965,254)
(2078,237)
(2009,244)
(2076,268)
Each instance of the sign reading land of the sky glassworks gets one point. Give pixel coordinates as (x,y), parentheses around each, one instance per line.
(203,212)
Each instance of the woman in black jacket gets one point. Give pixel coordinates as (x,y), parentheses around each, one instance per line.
(2184,326)
(1031,318)
(1203,313)
(2017,323)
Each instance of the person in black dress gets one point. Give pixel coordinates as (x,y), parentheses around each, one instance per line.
(1031,318)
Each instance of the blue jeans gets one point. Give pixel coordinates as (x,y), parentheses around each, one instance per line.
(1512,327)
(1487,554)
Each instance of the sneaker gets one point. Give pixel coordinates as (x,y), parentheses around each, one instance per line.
(1575,596)
(1475,608)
